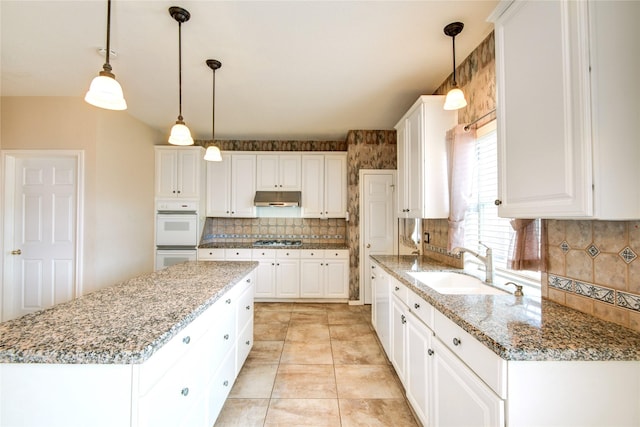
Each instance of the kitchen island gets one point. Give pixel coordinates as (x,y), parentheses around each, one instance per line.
(159,349)
(504,359)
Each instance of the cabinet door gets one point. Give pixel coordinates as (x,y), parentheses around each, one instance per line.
(336,277)
(219,187)
(243,185)
(267,172)
(166,172)
(459,397)
(189,162)
(265,279)
(401,146)
(381,295)
(544,139)
(289,172)
(312,185)
(418,370)
(414,163)
(287,278)
(398,337)
(335,186)
(311,278)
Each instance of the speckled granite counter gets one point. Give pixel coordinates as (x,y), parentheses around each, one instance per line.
(520,328)
(125,323)
(249,245)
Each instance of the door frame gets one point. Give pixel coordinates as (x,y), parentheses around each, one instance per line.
(394,201)
(7,208)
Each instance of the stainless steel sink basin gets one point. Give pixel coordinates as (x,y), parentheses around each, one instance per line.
(450,283)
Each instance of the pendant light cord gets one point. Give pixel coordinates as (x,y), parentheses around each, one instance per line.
(180,69)
(107,67)
(213,110)
(454,61)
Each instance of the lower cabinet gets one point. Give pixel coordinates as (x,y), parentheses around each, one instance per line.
(324,274)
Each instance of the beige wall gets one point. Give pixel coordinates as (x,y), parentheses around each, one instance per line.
(119,174)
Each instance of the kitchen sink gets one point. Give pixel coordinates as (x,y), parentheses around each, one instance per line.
(450,283)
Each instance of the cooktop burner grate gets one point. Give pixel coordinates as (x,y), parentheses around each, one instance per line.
(277,243)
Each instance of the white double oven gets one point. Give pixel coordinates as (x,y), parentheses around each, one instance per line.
(176,232)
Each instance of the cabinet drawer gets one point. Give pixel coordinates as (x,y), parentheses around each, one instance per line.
(220,386)
(245,342)
(311,253)
(485,363)
(400,290)
(221,340)
(422,309)
(259,254)
(211,254)
(336,254)
(245,306)
(237,254)
(287,253)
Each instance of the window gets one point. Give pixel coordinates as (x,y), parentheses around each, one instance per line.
(482,223)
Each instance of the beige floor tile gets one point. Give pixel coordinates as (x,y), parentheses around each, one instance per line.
(375,412)
(303,412)
(355,332)
(243,413)
(309,306)
(341,307)
(268,316)
(265,352)
(346,317)
(307,353)
(307,332)
(255,381)
(365,352)
(274,306)
(367,382)
(305,382)
(315,317)
(270,331)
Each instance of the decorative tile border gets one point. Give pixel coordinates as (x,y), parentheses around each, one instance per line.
(599,293)
(628,255)
(593,250)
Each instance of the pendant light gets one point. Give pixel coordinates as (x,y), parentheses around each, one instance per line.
(180,133)
(455,98)
(213,153)
(105,91)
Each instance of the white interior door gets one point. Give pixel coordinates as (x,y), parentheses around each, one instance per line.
(40,242)
(377,222)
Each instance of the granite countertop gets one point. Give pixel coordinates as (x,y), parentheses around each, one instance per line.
(520,328)
(122,324)
(249,245)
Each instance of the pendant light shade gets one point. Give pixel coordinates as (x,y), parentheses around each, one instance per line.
(105,92)
(455,98)
(180,133)
(213,153)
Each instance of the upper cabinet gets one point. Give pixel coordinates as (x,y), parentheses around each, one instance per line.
(422,159)
(179,172)
(278,172)
(324,185)
(231,186)
(568,99)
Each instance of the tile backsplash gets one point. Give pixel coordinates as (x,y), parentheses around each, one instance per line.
(594,267)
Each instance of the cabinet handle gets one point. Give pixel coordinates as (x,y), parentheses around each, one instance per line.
(287,253)
(498,202)
(228,301)
(248,307)
(174,191)
(184,391)
(273,263)
(248,342)
(416,306)
(226,336)
(373,277)
(397,288)
(311,253)
(186,339)
(321,264)
(237,253)
(225,383)
(430,352)
(456,341)
(277,263)
(373,266)
(403,319)
(227,212)
(249,280)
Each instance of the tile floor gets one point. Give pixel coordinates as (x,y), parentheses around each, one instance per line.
(315,364)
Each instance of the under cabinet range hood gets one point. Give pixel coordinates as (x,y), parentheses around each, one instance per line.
(277,198)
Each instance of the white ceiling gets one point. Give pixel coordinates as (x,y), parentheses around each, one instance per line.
(290,69)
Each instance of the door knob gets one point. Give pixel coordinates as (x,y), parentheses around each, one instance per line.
(368,245)
(16,252)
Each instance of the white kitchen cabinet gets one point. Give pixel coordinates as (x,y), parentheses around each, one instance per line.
(211,254)
(278,172)
(178,172)
(422,159)
(399,313)
(419,367)
(287,274)
(265,283)
(567,108)
(381,305)
(324,274)
(324,185)
(231,186)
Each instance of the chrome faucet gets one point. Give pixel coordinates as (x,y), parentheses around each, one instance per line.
(487,260)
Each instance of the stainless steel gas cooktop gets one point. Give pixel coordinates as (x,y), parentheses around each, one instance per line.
(277,243)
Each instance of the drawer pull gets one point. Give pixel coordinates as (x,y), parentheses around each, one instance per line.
(397,288)
(403,319)
(430,352)
(248,307)
(248,342)
(373,266)
(186,339)
(416,306)
(228,301)
(456,342)
(226,336)
(184,391)
(225,383)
